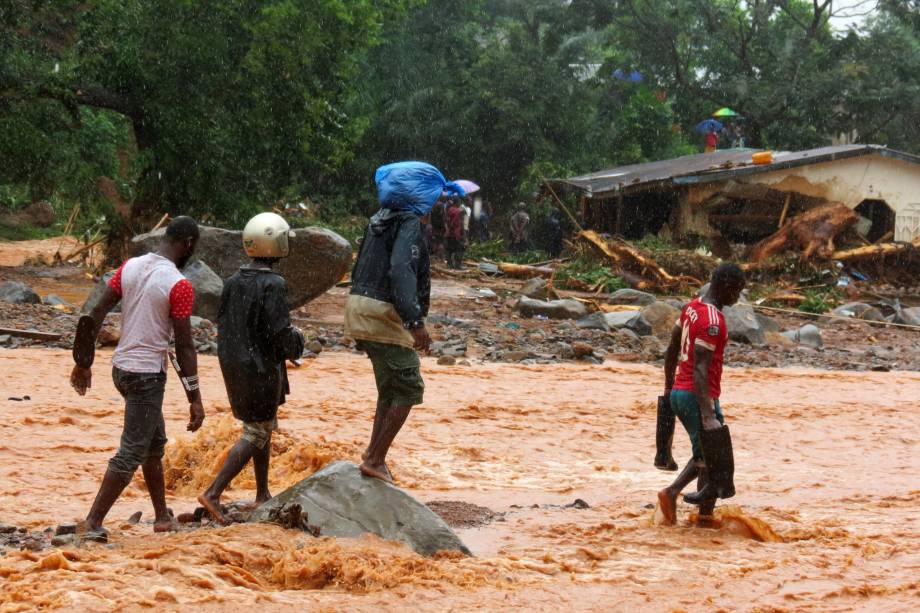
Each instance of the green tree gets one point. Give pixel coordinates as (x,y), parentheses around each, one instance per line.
(230,103)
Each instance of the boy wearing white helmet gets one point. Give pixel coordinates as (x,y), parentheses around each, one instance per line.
(255,337)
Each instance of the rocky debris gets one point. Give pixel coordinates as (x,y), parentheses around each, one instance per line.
(660,318)
(538,289)
(13,537)
(631,297)
(808,335)
(859,310)
(455,348)
(341,502)
(767,324)
(582,350)
(553,309)
(447,360)
(459,514)
(319,257)
(909,316)
(56,301)
(208,288)
(743,325)
(15,292)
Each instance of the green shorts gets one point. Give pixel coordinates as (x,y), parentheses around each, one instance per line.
(259,433)
(397,371)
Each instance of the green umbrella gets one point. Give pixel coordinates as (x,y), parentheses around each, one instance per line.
(725,112)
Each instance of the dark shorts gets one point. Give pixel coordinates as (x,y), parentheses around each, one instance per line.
(687,410)
(397,371)
(144,432)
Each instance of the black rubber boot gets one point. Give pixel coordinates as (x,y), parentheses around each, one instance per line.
(720,466)
(664,436)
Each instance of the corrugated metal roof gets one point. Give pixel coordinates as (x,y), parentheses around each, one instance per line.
(718,166)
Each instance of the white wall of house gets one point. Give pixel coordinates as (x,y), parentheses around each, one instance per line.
(850,181)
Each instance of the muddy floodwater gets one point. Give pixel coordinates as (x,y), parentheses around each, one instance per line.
(826,517)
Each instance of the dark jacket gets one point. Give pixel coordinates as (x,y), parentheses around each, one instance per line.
(255,337)
(393,264)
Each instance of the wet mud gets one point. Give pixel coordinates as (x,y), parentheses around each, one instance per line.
(824,519)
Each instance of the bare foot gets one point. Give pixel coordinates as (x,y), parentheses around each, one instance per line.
(379,471)
(213,508)
(263,498)
(668,504)
(168,524)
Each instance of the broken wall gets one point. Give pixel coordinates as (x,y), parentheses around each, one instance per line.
(850,181)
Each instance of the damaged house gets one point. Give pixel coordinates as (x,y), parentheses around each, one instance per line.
(724,197)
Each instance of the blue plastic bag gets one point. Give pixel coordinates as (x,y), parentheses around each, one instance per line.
(412,186)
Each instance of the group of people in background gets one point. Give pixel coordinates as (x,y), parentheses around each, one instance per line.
(454,223)
(729,137)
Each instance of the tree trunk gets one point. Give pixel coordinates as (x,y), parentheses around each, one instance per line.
(812,232)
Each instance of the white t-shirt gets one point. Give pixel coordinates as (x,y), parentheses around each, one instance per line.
(153,292)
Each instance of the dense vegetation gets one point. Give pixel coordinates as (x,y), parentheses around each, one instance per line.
(221,107)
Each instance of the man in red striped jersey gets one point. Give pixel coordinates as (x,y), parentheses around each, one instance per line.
(693,376)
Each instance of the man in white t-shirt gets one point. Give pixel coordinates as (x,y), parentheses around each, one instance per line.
(156,301)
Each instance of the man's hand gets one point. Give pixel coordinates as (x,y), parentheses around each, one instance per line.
(422,340)
(81,379)
(711,423)
(196,415)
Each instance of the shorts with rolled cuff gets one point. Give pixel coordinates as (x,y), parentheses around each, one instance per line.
(687,410)
(259,433)
(397,371)
(143,436)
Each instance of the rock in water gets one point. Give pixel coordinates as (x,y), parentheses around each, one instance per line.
(208,288)
(342,502)
(554,309)
(319,257)
(18,293)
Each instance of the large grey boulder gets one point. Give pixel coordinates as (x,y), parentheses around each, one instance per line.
(661,317)
(554,309)
(319,257)
(208,287)
(96,294)
(743,325)
(631,296)
(859,310)
(612,321)
(343,503)
(18,293)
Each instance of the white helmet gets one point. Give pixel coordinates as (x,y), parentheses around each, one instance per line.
(266,236)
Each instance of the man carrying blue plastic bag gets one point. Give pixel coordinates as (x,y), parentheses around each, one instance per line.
(391,286)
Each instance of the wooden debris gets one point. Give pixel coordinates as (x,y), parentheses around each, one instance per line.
(874,251)
(160,223)
(811,232)
(635,266)
(34,334)
(523,271)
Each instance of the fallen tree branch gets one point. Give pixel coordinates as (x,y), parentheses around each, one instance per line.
(34,334)
(875,251)
(812,232)
(636,267)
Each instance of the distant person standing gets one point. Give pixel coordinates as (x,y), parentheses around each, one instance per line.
(712,140)
(156,303)
(554,234)
(520,230)
(455,235)
(438,220)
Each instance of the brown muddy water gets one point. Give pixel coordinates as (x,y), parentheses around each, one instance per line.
(825,518)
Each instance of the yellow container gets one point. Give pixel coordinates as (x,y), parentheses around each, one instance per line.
(762,157)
